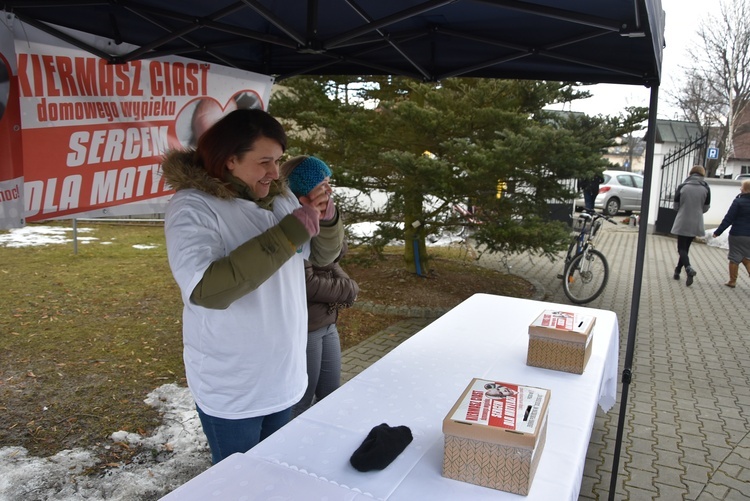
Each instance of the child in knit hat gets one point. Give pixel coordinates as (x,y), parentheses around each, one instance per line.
(306,173)
(329,288)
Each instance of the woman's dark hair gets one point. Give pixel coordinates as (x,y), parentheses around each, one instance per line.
(235,134)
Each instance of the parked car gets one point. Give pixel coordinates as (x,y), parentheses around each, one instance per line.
(620,191)
(742,177)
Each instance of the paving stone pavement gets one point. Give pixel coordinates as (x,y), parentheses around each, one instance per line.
(687,425)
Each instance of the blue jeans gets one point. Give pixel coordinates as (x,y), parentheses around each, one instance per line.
(589,197)
(227,436)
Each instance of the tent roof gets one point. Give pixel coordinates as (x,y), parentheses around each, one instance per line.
(613,41)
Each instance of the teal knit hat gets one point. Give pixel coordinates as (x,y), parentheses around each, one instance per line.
(307,175)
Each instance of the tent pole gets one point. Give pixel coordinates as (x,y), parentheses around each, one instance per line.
(637,282)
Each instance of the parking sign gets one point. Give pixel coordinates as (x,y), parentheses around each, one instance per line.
(713,153)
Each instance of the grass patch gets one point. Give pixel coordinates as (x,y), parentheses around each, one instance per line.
(86,336)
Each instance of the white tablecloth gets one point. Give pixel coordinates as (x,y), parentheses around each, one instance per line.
(416,385)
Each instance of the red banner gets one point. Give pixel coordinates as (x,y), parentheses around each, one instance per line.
(93,133)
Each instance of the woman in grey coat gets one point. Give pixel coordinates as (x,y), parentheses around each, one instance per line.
(692,199)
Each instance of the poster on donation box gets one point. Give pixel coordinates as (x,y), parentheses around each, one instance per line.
(94,133)
(501,405)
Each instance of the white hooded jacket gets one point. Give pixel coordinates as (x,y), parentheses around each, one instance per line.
(246,359)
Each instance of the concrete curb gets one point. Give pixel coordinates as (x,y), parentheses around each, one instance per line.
(401,311)
(427,312)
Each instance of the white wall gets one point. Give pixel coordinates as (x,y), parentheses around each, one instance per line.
(660,151)
(723,191)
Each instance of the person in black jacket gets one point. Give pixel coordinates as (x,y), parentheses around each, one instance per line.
(590,188)
(738,217)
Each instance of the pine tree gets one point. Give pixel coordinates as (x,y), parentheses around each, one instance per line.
(433,148)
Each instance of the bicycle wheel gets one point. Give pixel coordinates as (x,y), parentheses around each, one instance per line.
(586,276)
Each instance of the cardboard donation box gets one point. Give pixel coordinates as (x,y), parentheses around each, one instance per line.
(561,341)
(494,435)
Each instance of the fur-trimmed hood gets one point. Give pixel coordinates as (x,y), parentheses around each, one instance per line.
(181,171)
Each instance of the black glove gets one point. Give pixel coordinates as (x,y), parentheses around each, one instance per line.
(382,445)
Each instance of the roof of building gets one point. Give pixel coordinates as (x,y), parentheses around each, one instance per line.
(675,131)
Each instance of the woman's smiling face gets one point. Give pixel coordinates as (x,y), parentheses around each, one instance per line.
(259,166)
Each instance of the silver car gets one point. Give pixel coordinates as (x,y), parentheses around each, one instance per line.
(620,191)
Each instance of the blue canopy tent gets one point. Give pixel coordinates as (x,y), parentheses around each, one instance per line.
(617,41)
(613,41)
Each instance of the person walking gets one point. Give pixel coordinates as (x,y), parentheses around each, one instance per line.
(329,289)
(691,200)
(237,239)
(738,217)
(590,188)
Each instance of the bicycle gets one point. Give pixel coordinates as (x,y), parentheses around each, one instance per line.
(586,271)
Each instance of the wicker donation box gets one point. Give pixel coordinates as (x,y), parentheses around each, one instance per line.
(561,341)
(494,435)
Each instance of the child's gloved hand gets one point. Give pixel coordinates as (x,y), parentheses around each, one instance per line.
(321,198)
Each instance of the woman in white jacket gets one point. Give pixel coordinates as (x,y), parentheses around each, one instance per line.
(237,239)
